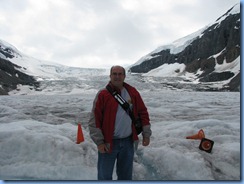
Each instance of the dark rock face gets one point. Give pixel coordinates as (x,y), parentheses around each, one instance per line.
(223,38)
(214,77)
(10,77)
(8,52)
(234,84)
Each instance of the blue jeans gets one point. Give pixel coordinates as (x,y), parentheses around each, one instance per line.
(123,152)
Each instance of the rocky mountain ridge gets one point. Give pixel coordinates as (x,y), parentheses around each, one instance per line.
(211,46)
(10,74)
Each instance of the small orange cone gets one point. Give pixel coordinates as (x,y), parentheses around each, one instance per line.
(199,135)
(80,136)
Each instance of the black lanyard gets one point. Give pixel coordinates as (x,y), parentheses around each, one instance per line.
(124,104)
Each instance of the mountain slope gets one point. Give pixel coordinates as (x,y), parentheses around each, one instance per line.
(202,52)
(11,77)
(10,74)
(18,69)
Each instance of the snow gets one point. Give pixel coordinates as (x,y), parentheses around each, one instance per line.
(235,9)
(46,70)
(234,66)
(166,70)
(38,133)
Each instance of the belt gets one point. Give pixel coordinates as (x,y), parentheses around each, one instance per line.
(129,137)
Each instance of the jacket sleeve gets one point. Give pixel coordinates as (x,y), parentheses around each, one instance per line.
(95,122)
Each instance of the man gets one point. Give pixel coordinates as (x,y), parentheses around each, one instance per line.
(112,130)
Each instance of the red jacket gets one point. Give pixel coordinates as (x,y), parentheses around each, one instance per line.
(102,120)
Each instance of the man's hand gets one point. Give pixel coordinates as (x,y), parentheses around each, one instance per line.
(145,141)
(102,148)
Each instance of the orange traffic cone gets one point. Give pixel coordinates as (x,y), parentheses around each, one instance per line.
(80,136)
(199,135)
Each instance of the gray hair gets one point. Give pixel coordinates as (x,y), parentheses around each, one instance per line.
(117,66)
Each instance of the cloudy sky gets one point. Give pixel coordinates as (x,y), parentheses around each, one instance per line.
(101,33)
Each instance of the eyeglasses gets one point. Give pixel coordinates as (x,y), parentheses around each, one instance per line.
(117,74)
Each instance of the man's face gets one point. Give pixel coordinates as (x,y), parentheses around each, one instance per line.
(117,76)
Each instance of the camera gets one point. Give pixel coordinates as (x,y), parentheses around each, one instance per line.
(138,123)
